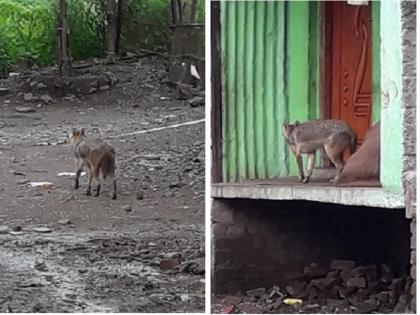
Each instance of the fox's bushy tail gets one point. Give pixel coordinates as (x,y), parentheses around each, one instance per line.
(353,143)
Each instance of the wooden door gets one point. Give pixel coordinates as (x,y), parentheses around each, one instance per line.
(351,65)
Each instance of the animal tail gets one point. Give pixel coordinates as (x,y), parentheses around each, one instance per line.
(353,143)
(107,166)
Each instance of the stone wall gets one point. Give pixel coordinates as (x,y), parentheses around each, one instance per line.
(259,243)
(408,16)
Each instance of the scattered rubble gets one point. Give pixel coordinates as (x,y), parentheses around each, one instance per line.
(344,287)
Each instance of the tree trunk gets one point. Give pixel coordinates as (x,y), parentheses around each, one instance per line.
(111,29)
(193,16)
(63,62)
(120,13)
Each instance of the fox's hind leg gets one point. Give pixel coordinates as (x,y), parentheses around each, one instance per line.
(89,189)
(114,194)
(79,166)
(96,177)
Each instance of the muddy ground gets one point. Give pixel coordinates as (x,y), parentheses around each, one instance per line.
(95,253)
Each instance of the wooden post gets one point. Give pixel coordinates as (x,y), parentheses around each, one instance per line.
(64,63)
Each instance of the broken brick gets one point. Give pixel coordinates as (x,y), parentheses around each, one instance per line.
(342,264)
(358,282)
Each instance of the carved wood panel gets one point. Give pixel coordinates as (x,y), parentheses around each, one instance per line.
(351,73)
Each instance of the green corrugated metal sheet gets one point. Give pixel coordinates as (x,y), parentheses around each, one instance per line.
(266,51)
(253,91)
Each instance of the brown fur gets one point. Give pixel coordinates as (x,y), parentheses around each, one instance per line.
(363,167)
(334,136)
(97,156)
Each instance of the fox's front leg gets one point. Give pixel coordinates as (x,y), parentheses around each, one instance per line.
(309,167)
(300,166)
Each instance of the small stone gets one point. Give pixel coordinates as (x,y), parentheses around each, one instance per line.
(23,181)
(185,297)
(342,264)
(41,85)
(232,300)
(46,98)
(336,303)
(297,289)
(42,229)
(170,261)
(197,101)
(17,228)
(31,283)
(15,232)
(256,292)
(367,306)
(358,282)
(140,195)
(104,87)
(40,265)
(314,271)
(4,91)
(39,105)
(127,208)
(25,109)
(28,97)
(4,229)
(64,221)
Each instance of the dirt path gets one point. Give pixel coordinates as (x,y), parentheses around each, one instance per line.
(98,256)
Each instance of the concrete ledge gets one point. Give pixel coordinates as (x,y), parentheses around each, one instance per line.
(356,196)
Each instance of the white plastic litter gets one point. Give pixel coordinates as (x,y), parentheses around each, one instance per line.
(70,174)
(194,72)
(41,184)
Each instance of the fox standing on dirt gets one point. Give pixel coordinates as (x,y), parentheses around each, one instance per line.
(95,154)
(305,138)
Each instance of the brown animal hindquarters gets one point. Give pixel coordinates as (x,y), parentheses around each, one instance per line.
(363,167)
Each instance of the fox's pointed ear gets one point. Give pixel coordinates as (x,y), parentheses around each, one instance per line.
(73,131)
(297,122)
(83,132)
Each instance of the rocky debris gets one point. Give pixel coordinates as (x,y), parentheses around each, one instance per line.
(197,101)
(256,292)
(170,261)
(46,99)
(4,91)
(25,109)
(42,229)
(127,208)
(40,265)
(195,266)
(4,229)
(139,195)
(64,221)
(341,287)
(342,264)
(29,97)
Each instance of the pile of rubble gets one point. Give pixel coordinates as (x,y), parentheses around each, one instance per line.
(342,287)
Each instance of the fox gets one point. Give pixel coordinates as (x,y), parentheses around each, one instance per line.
(97,156)
(332,135)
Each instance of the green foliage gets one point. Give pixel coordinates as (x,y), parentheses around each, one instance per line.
(86,23)
(28,28)
(146,25)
